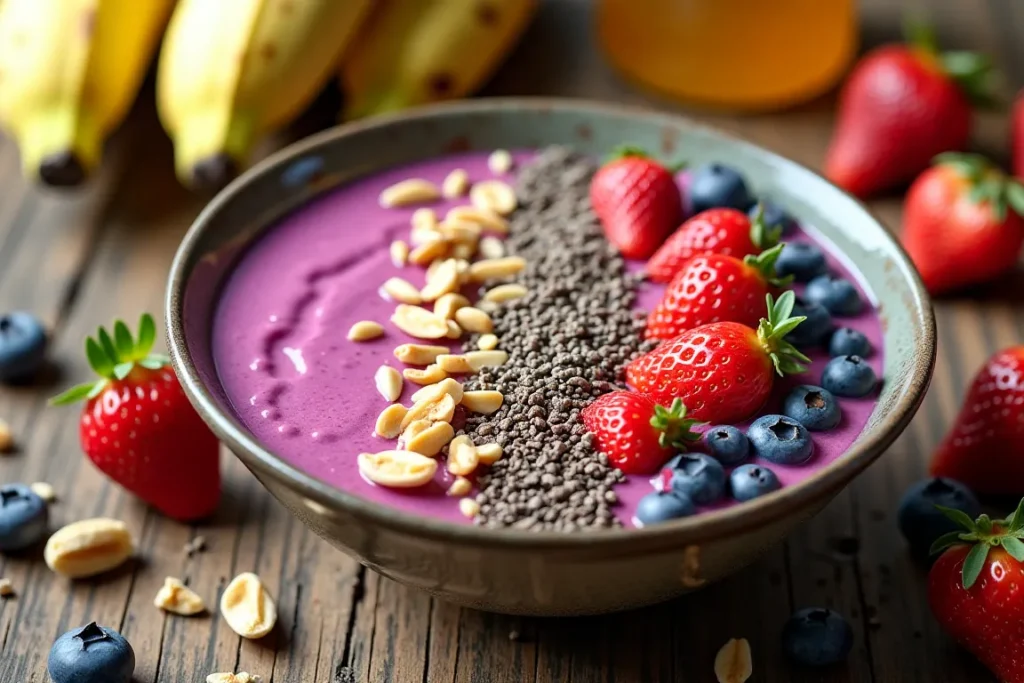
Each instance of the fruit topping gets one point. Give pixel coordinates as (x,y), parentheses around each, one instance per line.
(813,407)
(636,434)
(817,636)
(23,517)
(727,444)
(774,216)
(661,506)
(23,345)
(699,477)
(815,329)
(716,185)
(849,342)
(752,481)
(836,294)
(780,439)
(848,376)
(801,260)
(921,522)
(723,371)
(91,654)
(637,201)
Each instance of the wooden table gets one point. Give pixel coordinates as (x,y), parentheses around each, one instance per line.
(81,259)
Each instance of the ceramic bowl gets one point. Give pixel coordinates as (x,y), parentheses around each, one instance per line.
(518,571)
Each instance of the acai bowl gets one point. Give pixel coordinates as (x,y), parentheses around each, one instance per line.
(485,481)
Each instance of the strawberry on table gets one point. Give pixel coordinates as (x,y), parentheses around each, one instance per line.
(901,106)
(636,434)
(976,590)
(962,222)
(715,288)
(638,202)
(985,448)
(139,429)
(715,231)
(722,371)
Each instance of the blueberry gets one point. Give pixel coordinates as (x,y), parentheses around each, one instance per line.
(848,376)
(714,185)
(813,407)
(836,294)
(803,261)
(662,506)
(24,517)
(91,654)
(921,523)
(849,342)
(699,477)
(727,444)
(22,346)
(780,439)
(813,331)
(817,637)
(752,481)
(774,216)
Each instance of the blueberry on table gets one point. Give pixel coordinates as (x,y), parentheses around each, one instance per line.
(752,481)
(780,439)
(22,346)
(817,637)
(849,342)
(815,329)
(715,185)
(774,216)
(848,376)
(813,407)
(836,294)
(921,522)
(24,517)
(727,444)
(91,654)
(662,506)
(801,260)
(699,477)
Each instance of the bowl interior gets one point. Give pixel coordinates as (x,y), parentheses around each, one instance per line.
(293,176)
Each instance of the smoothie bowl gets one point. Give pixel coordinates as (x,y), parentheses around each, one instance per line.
(429,337)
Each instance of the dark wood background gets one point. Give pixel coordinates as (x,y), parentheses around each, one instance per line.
(80,259)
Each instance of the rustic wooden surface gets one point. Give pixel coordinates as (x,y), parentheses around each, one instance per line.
(81,259)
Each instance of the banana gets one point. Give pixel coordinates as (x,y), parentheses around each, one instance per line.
(69,72)
(417,51)
(231,71)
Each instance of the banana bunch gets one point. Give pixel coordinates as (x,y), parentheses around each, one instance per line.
(231,71)
(69,72)
(413,52)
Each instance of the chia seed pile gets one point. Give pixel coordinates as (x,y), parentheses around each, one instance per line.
(568,341)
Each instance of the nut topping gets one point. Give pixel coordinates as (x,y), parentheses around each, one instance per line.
(402,291)
(397,469)
(494,195)
(389,422)
(365,330)
(406,192)
(419,322)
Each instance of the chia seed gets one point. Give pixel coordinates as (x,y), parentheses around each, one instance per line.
(568,341)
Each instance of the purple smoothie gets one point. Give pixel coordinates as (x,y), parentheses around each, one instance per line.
(307,393)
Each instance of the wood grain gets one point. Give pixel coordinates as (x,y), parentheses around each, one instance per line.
(81,259)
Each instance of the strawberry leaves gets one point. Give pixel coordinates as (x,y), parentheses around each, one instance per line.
(771,332)
(114,358)
(984,534)
(675,427)
(762,235)
(764,263)
(988,184)
(971,71)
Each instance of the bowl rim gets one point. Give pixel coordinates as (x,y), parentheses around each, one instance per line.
(708,525)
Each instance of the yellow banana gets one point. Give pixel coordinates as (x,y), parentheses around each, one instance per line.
(232,70)
(69,71)
(417,51)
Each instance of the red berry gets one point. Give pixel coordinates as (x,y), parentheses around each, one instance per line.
(637,435)
(138,427)
(715,231)
(638,203)
(722,371)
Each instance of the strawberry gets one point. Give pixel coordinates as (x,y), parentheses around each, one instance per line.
(962,222)
(714,231)
(139,429)
(722,371)
(637,435)
(976,590)
(985,448)
(714,288)
(637,201)
(1017,136)
(901,106)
